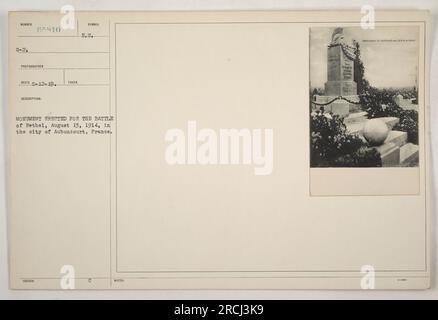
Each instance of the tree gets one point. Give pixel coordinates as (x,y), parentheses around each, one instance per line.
(359,71)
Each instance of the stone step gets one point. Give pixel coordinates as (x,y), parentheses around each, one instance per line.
(390,154)
(398,138)
(408,153)
(395,151)
(356,117)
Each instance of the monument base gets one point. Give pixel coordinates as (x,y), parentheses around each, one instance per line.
(338,107)
(396,151)
(344,88)
(389,154)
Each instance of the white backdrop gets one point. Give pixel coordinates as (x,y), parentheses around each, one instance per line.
(15,5)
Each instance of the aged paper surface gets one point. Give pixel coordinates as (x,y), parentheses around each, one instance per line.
(174,150)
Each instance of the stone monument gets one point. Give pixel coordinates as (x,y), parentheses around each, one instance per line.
(340,88)
(340,76)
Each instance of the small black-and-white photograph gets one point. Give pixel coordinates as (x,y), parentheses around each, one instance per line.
(363,97)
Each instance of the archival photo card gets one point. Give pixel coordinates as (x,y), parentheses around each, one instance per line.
(364,103)
(218,150)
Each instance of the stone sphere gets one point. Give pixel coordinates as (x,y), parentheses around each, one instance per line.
(375,131)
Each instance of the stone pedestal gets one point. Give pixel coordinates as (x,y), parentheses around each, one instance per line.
(341,88)
(339,107)
(390,154)
(396,151)
(340,82)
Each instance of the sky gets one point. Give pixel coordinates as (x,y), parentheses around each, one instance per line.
(390,54)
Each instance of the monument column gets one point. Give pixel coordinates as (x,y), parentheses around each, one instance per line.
(340,75)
